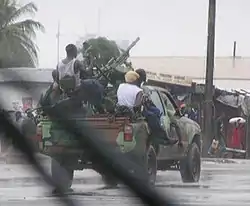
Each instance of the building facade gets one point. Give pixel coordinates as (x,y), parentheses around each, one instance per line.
(17,84)
(229,73)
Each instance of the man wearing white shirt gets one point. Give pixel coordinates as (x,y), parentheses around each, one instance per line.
(129,94)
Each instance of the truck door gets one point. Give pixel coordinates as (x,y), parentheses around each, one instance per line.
(165,121)
(170,113)
(159,104)
(171,151)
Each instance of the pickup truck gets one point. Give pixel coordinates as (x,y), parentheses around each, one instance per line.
(132,137)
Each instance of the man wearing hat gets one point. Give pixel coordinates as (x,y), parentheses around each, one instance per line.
(128,93)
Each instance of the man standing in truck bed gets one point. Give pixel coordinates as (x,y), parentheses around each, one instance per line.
(70,69)
(73,77)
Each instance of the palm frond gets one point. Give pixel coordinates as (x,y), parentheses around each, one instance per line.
(28,45)
(17,37)
(28,26)
(24,31)
(17,54)
(29,8)
(7,7)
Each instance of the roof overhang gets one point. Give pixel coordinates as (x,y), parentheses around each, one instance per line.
(170,79)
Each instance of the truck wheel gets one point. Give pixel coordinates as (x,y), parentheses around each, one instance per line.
(151,164)
(190,166)
(62,175)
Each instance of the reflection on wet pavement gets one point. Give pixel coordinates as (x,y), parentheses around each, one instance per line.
(221,184)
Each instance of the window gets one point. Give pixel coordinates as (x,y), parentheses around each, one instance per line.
(157,101)
(168,104)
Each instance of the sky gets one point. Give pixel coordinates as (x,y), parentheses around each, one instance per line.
(166,27)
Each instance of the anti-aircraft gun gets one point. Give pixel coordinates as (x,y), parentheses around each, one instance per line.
(113,72)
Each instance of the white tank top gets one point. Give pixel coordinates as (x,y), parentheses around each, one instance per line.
(126,94)
(68,69)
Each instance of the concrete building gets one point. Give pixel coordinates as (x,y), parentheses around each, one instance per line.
(19,83)
(228,73)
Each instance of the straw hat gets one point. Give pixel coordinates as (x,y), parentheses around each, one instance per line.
(131,76)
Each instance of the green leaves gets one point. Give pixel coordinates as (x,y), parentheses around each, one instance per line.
(102,50)
(17,46)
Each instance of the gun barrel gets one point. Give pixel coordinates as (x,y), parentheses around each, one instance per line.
(110,61)
(86,50)
(90,47)
(113,63)
(125,54)
(133,44)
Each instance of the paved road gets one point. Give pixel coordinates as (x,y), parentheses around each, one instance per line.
(221,184)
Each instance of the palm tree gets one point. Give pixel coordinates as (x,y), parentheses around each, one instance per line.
(17,35)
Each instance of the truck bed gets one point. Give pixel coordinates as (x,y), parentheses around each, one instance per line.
(56,139)
(110,126)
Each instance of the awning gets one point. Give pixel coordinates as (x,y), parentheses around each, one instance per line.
(170,79)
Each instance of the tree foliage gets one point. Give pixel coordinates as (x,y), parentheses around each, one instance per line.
(17,34)
(102,50)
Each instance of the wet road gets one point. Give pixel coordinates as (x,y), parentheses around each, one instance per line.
(221,184)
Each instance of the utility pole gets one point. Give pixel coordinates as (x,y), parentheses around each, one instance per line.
(99,22)
(247,99)
(208,107)
(234,53)
(58,41)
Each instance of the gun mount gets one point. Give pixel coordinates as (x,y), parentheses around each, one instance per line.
(113,72)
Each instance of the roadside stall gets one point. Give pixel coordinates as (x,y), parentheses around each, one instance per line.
(230,108)
(247,117)
(237,128)
(27,103)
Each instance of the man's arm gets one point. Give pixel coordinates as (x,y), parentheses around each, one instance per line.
(138,100)
(79,67)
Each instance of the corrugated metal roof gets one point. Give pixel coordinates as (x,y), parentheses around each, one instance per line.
(25,74)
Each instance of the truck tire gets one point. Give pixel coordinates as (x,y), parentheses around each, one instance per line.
(190,166)
(62,175)
(151,165)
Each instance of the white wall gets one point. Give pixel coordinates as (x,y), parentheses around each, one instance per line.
(11,92)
